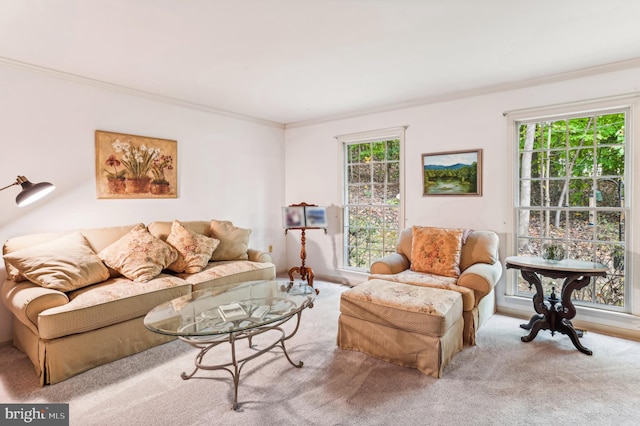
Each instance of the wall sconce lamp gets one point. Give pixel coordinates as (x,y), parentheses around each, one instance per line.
(30,191)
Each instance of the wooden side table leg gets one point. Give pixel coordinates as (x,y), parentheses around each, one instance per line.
(539,321)
(568,330)
(567,310)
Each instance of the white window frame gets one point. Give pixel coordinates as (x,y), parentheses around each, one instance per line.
(363,137)
(626,323)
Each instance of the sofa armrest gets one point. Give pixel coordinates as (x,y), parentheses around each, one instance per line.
(390,264)
(26,301)
(481,278)
(259,256)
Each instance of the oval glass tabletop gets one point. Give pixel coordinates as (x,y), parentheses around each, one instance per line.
(230,308)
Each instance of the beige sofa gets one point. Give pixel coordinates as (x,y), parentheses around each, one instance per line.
(78,299)
(474,272)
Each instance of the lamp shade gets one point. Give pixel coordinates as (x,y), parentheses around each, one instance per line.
(32,191)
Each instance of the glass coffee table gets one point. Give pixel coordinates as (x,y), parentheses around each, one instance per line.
(232,313)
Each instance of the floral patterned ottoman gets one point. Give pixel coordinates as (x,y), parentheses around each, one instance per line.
(407,325)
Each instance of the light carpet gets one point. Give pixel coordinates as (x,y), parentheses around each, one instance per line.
(501,381)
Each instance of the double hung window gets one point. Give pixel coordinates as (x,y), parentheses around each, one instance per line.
(371,194)
(571,183)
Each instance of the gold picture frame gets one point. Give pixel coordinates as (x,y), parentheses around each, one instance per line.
(130,166)
(452,173)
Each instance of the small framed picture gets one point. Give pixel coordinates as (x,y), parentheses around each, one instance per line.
(452,173)
(293,217)
(315,217)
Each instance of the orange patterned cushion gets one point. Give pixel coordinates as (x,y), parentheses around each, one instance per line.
(138,255)
(194,250)
(436,251)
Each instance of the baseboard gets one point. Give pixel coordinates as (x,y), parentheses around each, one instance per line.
(584,325)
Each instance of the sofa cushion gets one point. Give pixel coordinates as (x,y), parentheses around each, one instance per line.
(480,247)
(65,263)
(138,255)
(194,250)
(434,281)
(228,272)
(234,241)
(110,302)
(436,250)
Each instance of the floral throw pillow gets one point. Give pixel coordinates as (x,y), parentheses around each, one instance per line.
(138,255)
(194,250)
(436,250)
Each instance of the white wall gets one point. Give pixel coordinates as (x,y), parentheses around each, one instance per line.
(245,171)
(314,165)
(228,168)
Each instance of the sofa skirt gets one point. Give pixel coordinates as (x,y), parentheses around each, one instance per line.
(59,359)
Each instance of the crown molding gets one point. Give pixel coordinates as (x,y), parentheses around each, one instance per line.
(11,63)
(445,97)
(451,96)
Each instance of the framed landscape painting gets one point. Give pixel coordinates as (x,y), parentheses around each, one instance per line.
(452,173)
(129,166)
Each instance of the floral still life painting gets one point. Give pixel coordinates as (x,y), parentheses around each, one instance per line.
(129,166)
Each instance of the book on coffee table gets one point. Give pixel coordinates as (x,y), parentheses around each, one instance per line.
(259,312)
(232,312)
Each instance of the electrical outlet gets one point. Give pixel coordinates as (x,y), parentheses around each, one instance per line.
(270,249)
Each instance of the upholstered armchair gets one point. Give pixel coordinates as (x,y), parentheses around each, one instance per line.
(465,261)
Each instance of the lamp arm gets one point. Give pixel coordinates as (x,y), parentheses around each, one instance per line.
(9,186)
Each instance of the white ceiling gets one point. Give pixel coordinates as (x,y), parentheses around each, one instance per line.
(291,61)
